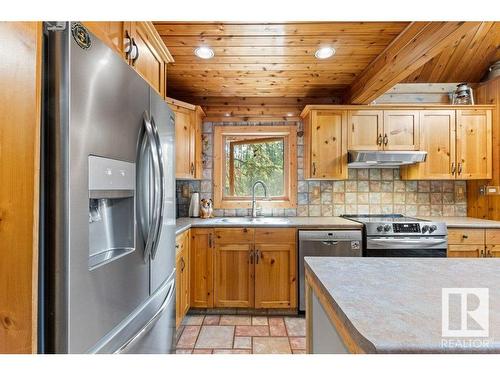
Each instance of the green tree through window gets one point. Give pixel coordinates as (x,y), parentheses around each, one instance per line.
(250,160)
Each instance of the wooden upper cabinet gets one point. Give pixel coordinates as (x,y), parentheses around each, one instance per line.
(198,142)
(109,32)
(202,267)
(275,268)
(474,144)
(326,150)
(401,130)
(184,142)
(149,62)
(188,139)
(437,137)
(365,130)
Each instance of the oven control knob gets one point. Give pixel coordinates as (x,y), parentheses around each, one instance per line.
(380,228)
(425,228)
(432,228)
(387,227)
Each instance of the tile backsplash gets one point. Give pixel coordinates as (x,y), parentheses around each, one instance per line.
(366,191)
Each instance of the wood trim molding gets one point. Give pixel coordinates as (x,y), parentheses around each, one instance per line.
(158,41)
(290,161)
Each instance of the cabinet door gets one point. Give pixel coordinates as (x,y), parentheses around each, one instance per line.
(328,145)
(492,251)
(201,264)
(234,275)
(184,144)
(182,277)
(437,137)
(466,251)
(149,63)
(365,130)
(234,268)
(198,145)
(474,144)
(401,130)
(111,33)
(275,268)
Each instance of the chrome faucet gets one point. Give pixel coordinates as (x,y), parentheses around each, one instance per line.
(254,208)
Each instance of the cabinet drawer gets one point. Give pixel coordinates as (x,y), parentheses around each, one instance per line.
(466,236)
(492,236)
(234,235)
(287,235)
(465,251)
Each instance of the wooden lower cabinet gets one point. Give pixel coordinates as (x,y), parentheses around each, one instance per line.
(473,243)
(182,291)
(275,276)
(243,268)
(234,267)
(465,251)
(234,275)
(202,267)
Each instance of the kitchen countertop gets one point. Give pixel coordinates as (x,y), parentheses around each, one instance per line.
(185,223)
(393,305)
(464,222)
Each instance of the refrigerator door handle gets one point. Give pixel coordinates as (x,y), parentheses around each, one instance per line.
(149,231)
(153,320)
(161,192)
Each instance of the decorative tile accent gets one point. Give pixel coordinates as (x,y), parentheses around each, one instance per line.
(365,191)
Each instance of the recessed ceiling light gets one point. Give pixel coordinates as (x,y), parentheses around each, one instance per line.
(324,52)
(204,52)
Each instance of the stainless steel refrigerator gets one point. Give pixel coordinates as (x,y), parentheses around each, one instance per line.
(107,257)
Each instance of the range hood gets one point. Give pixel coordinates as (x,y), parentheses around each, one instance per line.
(384,159)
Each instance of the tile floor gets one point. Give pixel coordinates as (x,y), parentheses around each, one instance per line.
(241,334)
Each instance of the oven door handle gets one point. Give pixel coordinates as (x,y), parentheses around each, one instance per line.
(417,243)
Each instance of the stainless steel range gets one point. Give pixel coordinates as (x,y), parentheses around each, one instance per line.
(401,236)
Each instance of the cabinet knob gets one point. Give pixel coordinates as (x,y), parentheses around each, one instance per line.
(386,140)
(314,168)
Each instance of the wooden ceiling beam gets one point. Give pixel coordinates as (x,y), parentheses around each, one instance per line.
(416,45)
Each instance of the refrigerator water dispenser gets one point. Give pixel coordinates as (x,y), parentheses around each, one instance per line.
(111,210)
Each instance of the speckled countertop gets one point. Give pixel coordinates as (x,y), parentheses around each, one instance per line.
(184,223)
(393,305)
(464,222)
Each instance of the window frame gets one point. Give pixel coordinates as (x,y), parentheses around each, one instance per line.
(289,135)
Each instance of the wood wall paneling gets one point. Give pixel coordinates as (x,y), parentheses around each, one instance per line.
(481,206)
(20,102)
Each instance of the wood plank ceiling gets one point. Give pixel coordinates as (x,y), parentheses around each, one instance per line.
(466,60)
(269,70)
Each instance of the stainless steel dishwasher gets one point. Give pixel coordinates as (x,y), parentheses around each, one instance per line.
(326,243)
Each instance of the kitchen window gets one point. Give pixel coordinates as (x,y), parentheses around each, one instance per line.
(245,154)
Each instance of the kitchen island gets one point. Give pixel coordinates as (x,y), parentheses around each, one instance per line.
(394,305)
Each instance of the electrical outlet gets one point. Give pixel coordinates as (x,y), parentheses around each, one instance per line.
(316,192)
